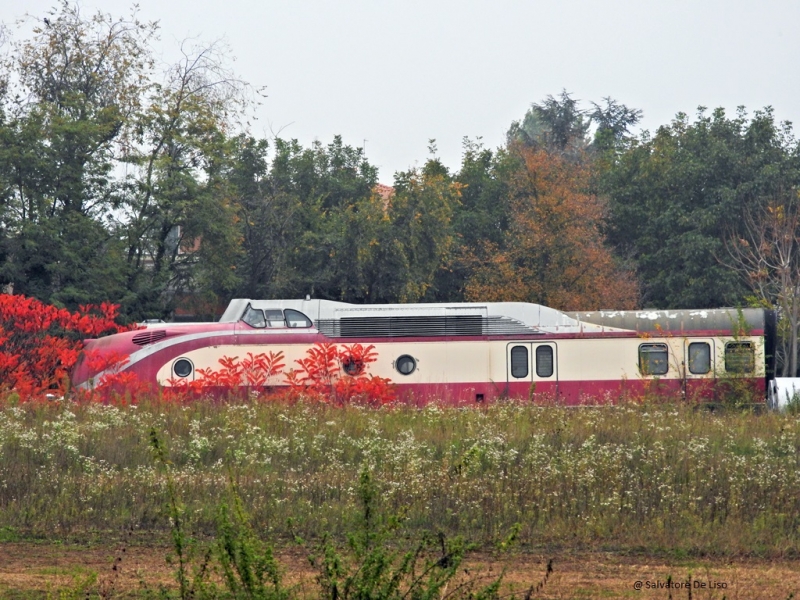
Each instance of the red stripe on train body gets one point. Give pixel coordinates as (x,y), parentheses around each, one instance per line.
(469,353)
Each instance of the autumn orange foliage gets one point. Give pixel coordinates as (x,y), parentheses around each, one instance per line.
(554,252)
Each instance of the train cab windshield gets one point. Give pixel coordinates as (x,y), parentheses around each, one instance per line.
(270,318)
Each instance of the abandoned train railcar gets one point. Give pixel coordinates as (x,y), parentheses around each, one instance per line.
(473,352)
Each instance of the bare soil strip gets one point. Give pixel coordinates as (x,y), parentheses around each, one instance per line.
(26,568)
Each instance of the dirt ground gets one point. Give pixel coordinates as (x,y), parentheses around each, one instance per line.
(28,568)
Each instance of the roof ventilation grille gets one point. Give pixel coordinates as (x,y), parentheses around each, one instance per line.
(149,337)
(422,326)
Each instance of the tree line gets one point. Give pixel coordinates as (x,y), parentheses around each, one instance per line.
(124,182)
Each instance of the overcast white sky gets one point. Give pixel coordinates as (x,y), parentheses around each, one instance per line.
(398,73)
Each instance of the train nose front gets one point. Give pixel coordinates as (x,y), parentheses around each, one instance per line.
(100,356)
(82,373)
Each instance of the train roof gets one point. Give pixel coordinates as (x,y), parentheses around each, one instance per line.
(732,320)
(341,319)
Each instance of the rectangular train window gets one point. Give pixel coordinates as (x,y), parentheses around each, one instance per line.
(699,358)
(544,361)
(519,361)
(653,359)
(740,357)
(274,318)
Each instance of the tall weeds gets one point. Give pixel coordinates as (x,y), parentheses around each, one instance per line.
(655,478)
(378,563)
(238,564)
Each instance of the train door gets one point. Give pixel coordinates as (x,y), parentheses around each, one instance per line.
(699,369)
(532,370)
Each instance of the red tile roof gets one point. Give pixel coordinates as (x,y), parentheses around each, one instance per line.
(384,191)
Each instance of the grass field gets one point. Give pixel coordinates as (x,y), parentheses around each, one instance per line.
(663,483)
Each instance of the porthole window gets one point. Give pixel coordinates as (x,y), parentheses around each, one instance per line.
(740,357)
(182,367)
(653,359)
(405,364)
(519,362)
(352,366)
(699,358)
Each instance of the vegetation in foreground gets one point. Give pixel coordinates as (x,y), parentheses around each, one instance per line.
(631,478)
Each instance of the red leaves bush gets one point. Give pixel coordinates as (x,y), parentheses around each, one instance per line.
(254,371)
(328,373)
(319,375)
(40,343)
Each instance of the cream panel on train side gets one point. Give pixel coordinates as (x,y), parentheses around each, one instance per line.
(577,359)
(209,357)
(478,361)
(468,362)
(498,364)
(430,359)
(611,359)
(436,362)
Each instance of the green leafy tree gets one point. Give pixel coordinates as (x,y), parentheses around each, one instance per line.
(264,216)
(313,223)
(68,93)
(556,125)
(482,214)
(112,186)
(179,220)
(613,122)
(676,196)
(420,214)
(298,214)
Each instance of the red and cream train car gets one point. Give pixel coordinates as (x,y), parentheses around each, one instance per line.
(473,352)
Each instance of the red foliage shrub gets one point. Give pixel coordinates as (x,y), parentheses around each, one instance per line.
(252,372)
(321,377)
(328,374)
(40,343)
